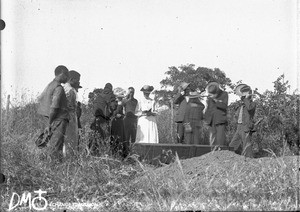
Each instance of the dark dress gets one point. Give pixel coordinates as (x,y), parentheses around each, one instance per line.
(118,133)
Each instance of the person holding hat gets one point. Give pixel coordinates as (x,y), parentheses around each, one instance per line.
(181,99)
(245,124)
(71,143)
(146,127)
(192,119)
(52,104)
(216,113)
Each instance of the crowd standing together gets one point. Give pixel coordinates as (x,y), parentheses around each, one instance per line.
(120,120)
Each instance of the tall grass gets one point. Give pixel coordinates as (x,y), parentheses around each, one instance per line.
(114,185)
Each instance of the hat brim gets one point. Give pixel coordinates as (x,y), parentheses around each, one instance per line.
(146,91)
(238,91)
(185,86)
(210,84)
(149,90)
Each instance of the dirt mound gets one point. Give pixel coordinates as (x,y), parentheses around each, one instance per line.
(224,163)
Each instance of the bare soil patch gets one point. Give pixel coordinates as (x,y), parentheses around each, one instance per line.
(219,163)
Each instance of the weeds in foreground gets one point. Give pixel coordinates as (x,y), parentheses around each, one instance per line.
(115,185)
(130,185)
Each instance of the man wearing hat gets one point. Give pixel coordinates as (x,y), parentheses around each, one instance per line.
(216,113)
(244,118)
(181,99)
(71,144)
(192,119)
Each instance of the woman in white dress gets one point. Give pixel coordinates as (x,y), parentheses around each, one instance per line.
(146,127)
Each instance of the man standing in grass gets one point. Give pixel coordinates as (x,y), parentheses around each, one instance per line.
(71,142)
(53,106)
(245,124)
(216,113)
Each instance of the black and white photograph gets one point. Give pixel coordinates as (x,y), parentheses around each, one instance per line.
(150,105)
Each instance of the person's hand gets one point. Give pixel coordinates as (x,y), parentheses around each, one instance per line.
(118,115)
(248,95)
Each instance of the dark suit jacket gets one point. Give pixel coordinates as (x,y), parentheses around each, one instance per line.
(216,112)
(248,114)
(194,112)
(180,99)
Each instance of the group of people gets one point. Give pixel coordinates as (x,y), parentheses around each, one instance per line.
(213,113)
(121,120)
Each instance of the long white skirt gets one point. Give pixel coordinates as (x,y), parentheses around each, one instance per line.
(147,130)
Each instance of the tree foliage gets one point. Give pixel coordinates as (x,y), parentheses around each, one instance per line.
(198,77)
(280,113)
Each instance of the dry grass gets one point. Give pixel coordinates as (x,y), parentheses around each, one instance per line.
(209,182)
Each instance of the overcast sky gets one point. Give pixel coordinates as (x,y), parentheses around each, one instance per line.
(132,43)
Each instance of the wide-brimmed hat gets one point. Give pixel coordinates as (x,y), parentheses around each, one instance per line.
(184,85)
(194,94)
(242,89)
(119,92)
(74,74)
(212,87)
(147,88)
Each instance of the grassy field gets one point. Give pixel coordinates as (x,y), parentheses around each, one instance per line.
(220,180)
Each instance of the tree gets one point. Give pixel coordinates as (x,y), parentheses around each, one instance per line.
(198,77)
